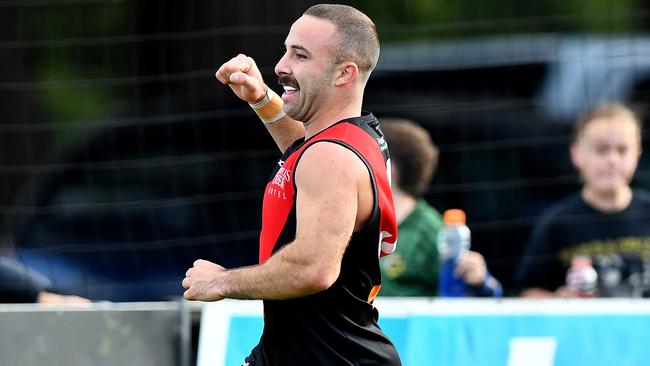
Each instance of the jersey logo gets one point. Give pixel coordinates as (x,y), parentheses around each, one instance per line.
(385,246)
(281,177)
(381,141)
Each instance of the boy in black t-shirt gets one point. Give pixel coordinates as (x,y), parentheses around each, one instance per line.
(607,220)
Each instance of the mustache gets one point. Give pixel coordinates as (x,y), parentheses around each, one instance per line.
(288,81)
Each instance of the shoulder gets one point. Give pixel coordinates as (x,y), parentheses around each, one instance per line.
(424,219)
(639,207)
(327,153)
(572,204)
(324,160)
(641,196)
(426,212)
(556,214)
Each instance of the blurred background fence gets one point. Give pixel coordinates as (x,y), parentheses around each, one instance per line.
(122,159)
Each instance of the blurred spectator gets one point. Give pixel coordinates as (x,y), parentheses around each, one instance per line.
(607,221)
(413,269)
(19,284)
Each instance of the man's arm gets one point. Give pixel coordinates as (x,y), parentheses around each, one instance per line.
(245,80)
(285,132)
(327,180)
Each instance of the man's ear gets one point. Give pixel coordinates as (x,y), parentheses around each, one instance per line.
(347,72)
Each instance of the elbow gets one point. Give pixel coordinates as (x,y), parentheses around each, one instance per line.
(320,280)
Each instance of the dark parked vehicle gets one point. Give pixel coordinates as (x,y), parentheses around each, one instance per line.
(136,204)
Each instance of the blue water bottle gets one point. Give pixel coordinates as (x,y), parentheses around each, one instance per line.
(454,240)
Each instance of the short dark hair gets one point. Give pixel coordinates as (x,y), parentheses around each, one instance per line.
(605,110)
(413,153)
(358,38)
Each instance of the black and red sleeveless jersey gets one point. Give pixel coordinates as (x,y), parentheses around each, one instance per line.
(337,326)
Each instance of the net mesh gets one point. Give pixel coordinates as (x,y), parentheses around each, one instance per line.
(122,160)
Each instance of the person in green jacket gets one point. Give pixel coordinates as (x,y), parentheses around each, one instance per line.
(412,270)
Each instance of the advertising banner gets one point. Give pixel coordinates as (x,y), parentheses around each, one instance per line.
(476,332)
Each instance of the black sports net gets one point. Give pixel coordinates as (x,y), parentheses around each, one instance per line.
(122,160)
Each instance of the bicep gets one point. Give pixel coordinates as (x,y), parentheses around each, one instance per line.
(327,201)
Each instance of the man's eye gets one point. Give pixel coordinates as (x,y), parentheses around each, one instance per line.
(300,56)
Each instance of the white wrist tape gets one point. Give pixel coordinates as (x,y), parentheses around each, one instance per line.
(269,109)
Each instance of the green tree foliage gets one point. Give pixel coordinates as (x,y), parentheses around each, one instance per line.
(401,20)
(67,68)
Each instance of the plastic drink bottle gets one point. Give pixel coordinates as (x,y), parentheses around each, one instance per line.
(454,240)
(582,278)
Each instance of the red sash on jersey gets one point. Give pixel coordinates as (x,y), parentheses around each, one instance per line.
(280,193)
